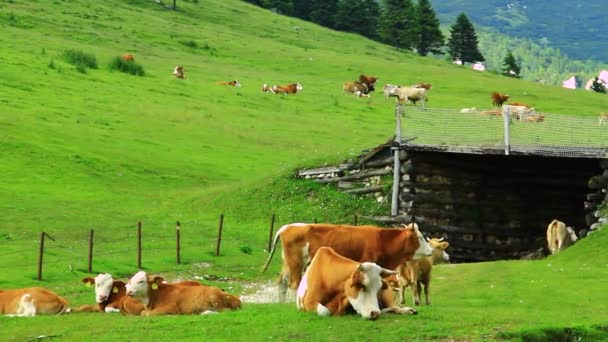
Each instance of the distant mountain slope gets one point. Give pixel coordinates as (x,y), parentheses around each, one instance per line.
(577,28)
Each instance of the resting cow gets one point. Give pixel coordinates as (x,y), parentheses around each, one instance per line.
(32,301)
(333,284)
(161,298)
(369,81)
(179,72)
(110,296)
(559,237)
(267,89)
(357,88)
(388,248)
(288,89)
(234,83)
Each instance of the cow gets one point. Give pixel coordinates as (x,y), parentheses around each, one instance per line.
(32,301)
(293,88)
(498,99)
(390,90)
(234,83)
(522,112)
(417,273)
(412,95)
(178,72)
(388,248)
(369,81)
(162,298)
(332,284)
(127,57)
(267,89)
(603,119)
(357,88)
(110,296)
(559,237)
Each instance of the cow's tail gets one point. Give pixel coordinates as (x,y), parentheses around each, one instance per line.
(275,243)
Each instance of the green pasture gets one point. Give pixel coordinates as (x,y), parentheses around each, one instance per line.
(86,148)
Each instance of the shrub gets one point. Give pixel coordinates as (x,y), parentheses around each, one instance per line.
(80,59)
(189,43)
(128,67)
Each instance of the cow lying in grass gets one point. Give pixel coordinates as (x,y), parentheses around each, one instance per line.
(110,296)
(32,301)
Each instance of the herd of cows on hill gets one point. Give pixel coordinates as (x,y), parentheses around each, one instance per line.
(334,269)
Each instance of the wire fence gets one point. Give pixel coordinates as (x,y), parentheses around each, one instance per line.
(510,130)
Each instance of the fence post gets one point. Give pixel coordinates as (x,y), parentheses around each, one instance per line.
(91,252)
(506,119)
(139,245)
(219,235)
(270,234)
(42,235)
(355,220)
(177,242)
(315,220)
(396,163)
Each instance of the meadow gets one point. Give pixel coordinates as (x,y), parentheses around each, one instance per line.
(94,148)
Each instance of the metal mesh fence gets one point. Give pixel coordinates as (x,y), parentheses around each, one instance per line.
(522,133)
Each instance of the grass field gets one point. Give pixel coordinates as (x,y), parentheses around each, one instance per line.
(84,148)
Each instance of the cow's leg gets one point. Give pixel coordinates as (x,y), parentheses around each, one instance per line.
(416,288)
(283,284)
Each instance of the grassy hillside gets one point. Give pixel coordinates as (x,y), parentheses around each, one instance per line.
(104,150)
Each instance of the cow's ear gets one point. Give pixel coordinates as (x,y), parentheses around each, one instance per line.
(88,282)
(444,245)
(357,278)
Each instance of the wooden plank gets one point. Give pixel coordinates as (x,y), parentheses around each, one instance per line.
(356,176)
(366,190)
(318,171)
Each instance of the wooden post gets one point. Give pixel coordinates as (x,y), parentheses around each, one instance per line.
(271,231)
(315,220)
(506,120)
(355,220)
(219,235)
(177,242)
(41,252)
(396,163)
(90,269)
(139,245)
(174,4)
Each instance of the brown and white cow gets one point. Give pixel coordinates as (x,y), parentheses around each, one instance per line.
(370,81)
(332,284)
(161,298)
(388,248)
(110,296)
(32,301)
(267,89)
(178,72)
(293,88)
(234,83)
(357,88)
(559,237)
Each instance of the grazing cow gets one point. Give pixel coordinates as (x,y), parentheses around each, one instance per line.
(179,72)
(424,85)
(498,99)
(412,95)
(388,248)
(390,90)
(293,88)
(603,119)
(333,283)
(127,57)
(234,83)
(32,301)
(111,296)
(559,237)
(161,298)
(267,89)
(416,273)
(370,81)
(357,88)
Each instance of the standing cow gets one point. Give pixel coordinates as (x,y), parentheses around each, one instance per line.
(559,237)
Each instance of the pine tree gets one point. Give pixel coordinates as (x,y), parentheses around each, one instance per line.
(284,7)
(398,24)
(373,18)
(463,43)
(598,85)
(323,12)
(430,39)
(301,9)
(510,67)
(351,16)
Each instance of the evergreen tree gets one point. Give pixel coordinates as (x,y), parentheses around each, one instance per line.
(463,44)
(598,85)
(323,12)
(284,7)
(398,24)
(430,39)
(510,67)
(301,9)
(351,16)
(373,18)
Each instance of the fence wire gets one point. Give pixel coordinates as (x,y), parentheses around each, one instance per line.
(535,133)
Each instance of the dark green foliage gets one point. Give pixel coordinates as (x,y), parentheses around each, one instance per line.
(301,9)
(351,16)
(463,43)
(323,12)
(398,24)
(284,7)
(189,43)
(430,39)
(598,85)
(51,64)
(80,59)
(510,66)
(128,67)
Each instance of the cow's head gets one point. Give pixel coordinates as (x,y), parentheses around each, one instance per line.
(439,254)
(363,287)
(424,249)
(299,87)
(104,284)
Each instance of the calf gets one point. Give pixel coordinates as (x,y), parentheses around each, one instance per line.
(332,284)
(32,301)
(161,298)
(357,88)
(178,72)
(110,296)
(234,83)
(559,237)
(288,89)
